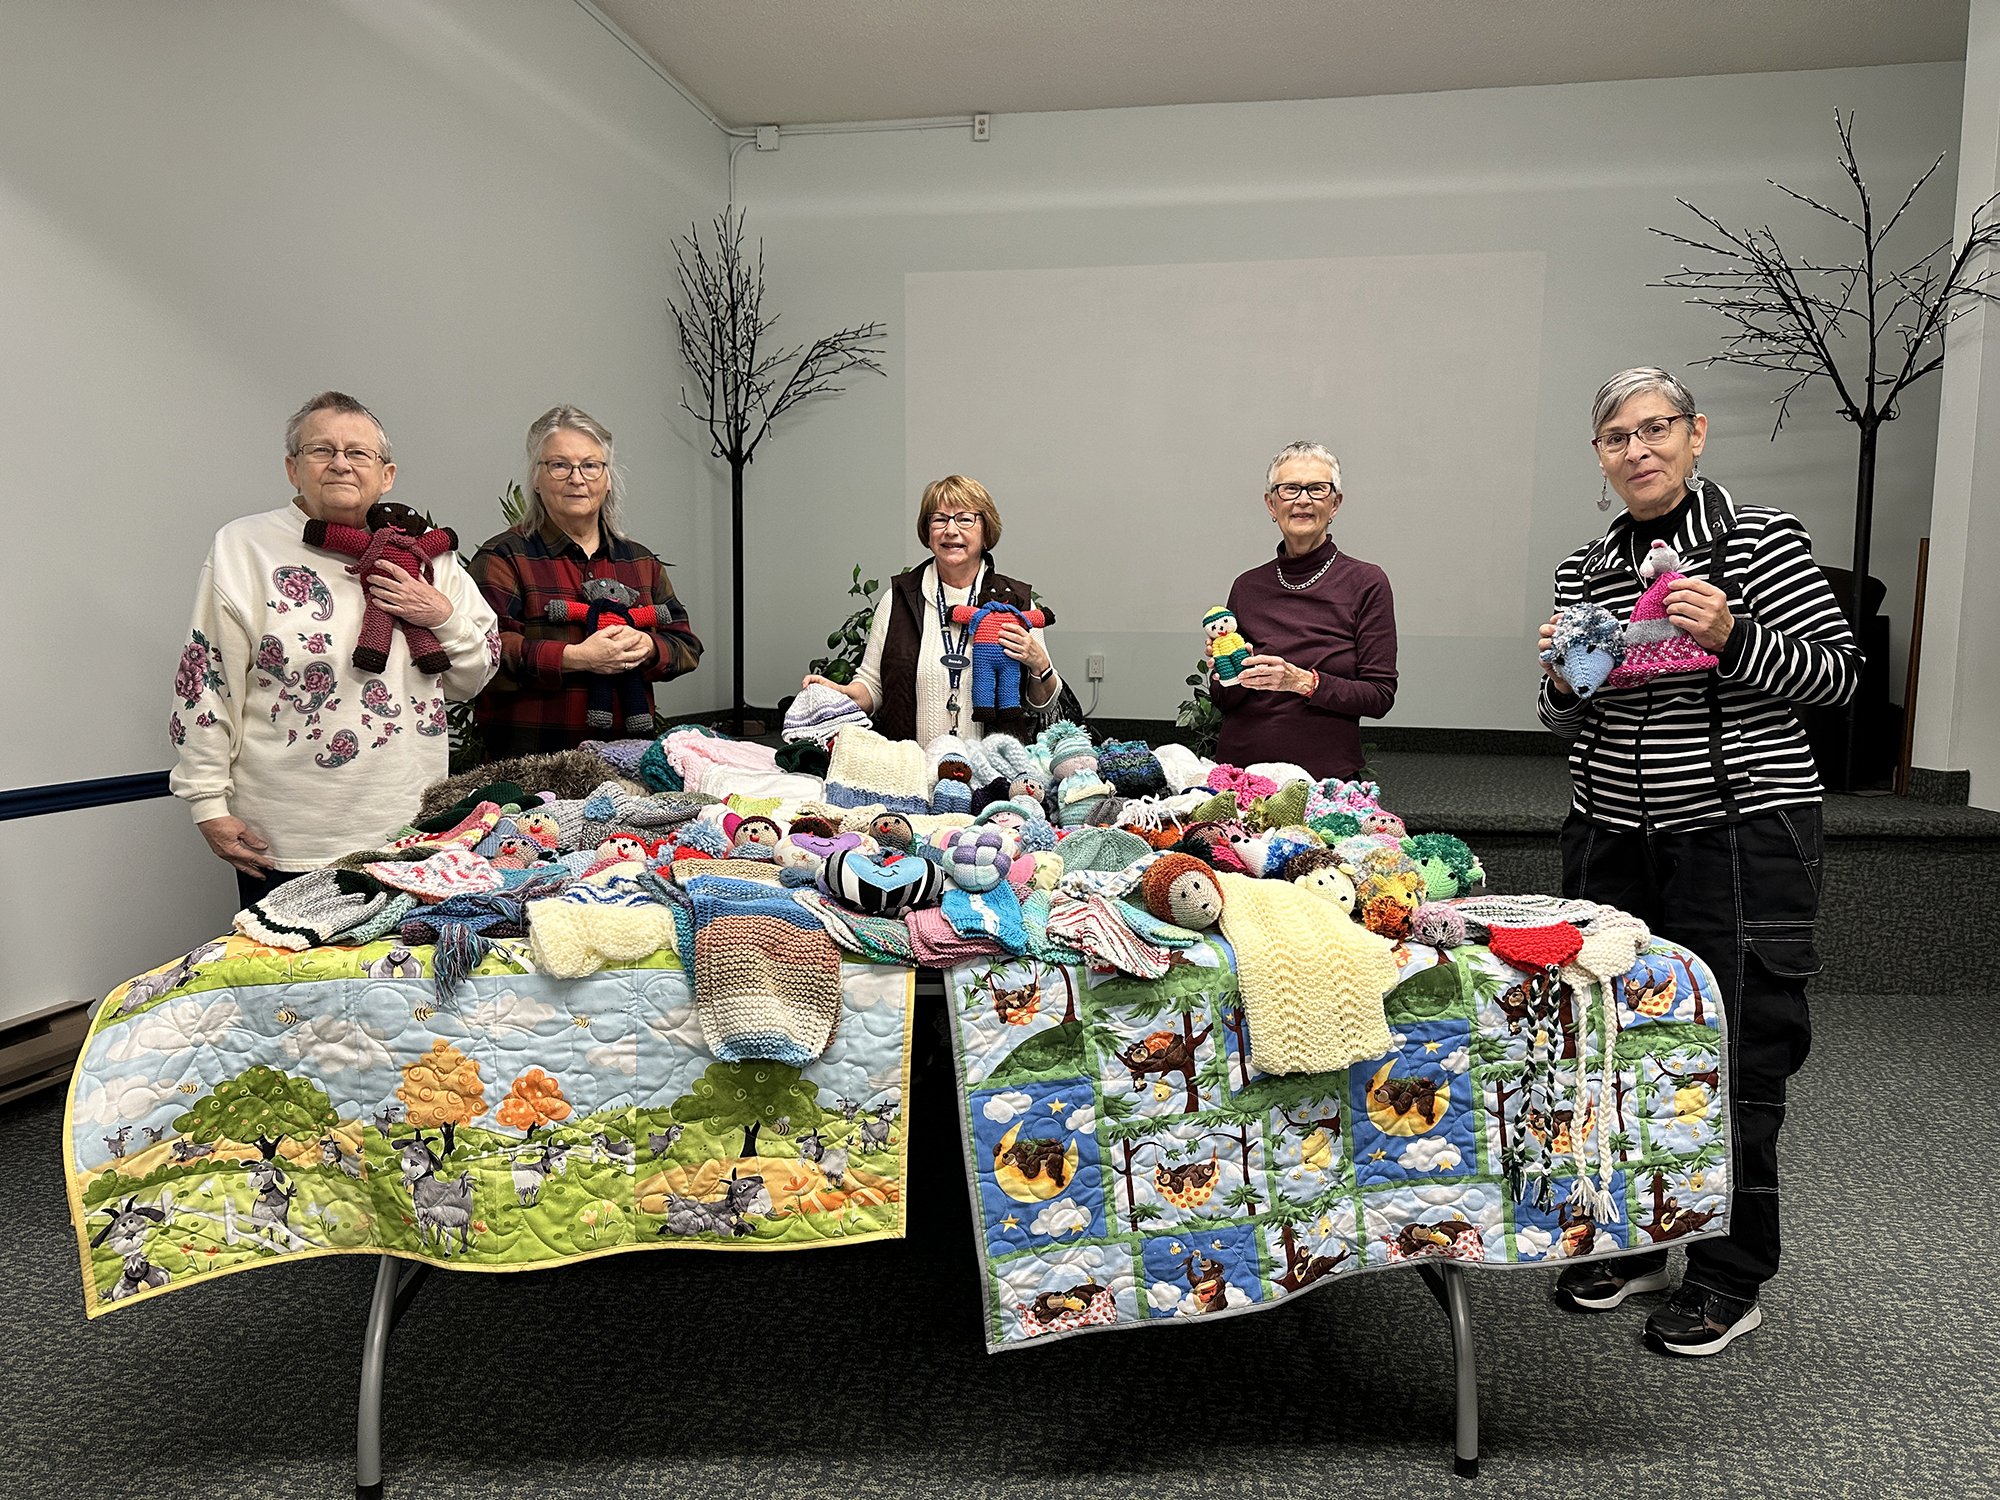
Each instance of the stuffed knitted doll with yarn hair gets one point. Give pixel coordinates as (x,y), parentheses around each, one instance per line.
(1655,645)
(1227,650)
(996,677)
(396,534)
(607,602)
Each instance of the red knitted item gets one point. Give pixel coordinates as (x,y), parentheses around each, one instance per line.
(1536,948)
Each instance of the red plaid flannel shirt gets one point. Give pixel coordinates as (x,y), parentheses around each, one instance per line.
(533,705)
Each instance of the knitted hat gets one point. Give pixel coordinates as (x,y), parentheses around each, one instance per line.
(385,921)
(1067,747)
(1536,948)
(999,789)
(1008,757)
(308,911)
(623,756)
(865,768)
(450,872)
(820,712)
(699,836)
(1245,786)
(882,885)
(1312,982)
(1654,645)
(1217,615)
(1182,767)
(803,758)
(590,927)
(1101,849)
(1078,796)
(1131,768)
(1181,889)
(500,793)
(464,834)
(656,771)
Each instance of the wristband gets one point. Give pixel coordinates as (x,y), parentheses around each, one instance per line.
(1313,686)
(1045,676)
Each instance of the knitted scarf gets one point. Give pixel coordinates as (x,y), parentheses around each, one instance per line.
(462,928)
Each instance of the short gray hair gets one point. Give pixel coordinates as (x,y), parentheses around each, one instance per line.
(1636,381)
(1303,449)
(333,401)
(572,419)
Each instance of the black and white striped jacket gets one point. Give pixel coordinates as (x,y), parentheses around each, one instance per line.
(1695,749)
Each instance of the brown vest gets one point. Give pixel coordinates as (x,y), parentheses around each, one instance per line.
(913,628)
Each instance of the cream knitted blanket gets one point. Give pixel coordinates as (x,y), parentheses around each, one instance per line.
(1312,978)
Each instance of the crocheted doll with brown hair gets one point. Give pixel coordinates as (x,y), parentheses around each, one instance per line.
(402,536)
(607,602)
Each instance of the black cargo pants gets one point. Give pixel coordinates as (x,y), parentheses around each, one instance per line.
(1743,897)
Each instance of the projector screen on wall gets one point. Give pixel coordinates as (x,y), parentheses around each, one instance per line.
(1123,417)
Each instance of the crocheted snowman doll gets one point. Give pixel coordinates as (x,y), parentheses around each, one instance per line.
(1227,650)
(1655,645)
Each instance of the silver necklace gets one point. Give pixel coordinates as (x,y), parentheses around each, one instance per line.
(1300,588)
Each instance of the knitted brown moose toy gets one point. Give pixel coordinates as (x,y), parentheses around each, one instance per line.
(608,602)
(399,535)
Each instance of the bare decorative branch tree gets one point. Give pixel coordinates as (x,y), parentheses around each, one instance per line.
(1801,318)
(743,384)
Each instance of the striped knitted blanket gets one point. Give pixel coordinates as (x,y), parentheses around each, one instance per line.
(766,974)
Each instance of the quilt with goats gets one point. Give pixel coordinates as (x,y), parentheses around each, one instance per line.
(245,1105)
(1130,1165)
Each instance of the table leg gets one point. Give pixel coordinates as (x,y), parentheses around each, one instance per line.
(1447,1284)
(395,1285)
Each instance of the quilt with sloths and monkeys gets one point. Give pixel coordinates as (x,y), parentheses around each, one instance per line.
(1132,1166)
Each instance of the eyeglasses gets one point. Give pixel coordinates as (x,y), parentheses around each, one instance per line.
(1319,489)
(324,454)
(561,468)
(1652,434)
(964,520)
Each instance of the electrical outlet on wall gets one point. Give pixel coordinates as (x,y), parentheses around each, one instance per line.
(1093,668)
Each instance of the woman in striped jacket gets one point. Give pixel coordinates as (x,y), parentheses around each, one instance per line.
(1696,803)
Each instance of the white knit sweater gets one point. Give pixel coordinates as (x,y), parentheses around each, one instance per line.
(933,682)
(275,725)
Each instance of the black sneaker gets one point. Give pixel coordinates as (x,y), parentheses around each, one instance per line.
(1601,1284)
(1696,1320)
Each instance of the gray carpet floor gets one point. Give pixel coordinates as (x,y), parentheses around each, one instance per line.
(859,1372)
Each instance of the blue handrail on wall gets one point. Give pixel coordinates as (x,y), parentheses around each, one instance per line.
(68,796)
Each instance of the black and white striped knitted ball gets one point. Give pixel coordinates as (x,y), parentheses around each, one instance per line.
(882,885)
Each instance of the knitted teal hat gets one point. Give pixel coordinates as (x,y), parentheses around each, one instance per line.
(1101,849)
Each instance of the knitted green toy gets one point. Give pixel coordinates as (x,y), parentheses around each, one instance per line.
(1227,650)
(1449,867)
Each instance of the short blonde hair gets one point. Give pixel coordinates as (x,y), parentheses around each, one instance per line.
(956,492)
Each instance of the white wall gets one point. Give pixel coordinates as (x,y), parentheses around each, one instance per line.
(458,210)
(1574,174)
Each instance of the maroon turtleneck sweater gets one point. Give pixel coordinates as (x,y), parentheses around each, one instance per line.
(1343,627)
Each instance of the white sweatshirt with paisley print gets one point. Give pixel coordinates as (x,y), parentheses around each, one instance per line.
(274,724)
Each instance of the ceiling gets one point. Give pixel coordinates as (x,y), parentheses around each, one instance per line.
(809,61)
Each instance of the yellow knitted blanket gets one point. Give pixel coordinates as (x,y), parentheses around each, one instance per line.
(1312,978)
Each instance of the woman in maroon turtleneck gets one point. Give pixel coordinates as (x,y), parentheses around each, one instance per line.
(1322,632)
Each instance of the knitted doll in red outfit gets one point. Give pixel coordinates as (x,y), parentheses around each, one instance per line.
(399,535)
(996,677)
(607,602)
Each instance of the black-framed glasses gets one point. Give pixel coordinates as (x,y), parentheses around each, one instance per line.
(324,453)
(964,520)
(561,468)
(1652,434)
(1319,489)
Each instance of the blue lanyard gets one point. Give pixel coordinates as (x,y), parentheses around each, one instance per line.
(955,660)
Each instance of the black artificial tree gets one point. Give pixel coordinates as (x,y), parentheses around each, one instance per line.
(744,386)
(1797,317)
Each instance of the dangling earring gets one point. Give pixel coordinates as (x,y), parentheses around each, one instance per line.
(1604,494)
(1693,481)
